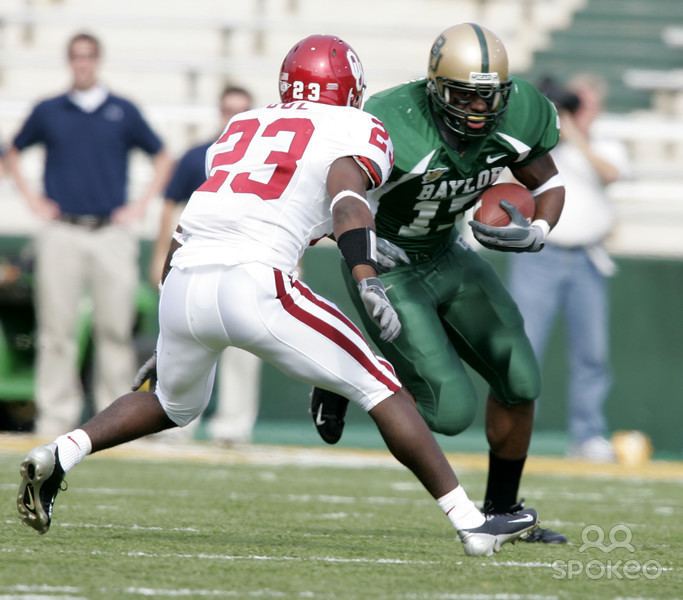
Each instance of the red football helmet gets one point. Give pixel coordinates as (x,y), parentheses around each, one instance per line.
(325,69)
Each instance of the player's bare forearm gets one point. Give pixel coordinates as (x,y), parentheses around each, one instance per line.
(536,174)
(351,213)
(348,212)
(549,205)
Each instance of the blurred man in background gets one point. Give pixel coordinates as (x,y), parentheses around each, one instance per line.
(237,385)
(85,242)
(571,274)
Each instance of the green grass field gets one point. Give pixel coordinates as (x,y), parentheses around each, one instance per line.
(262,524)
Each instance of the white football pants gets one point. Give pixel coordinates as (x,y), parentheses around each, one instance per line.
(203,310)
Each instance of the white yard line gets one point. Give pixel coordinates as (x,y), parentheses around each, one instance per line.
(239,557)
(203,593)
(238,496)
(41,597)
(40,592)
(284,558)
(459,596)
(46,592)
(133,527)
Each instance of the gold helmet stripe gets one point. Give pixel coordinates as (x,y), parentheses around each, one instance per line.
(483,46)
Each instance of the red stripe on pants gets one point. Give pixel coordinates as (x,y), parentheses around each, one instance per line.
(328,330)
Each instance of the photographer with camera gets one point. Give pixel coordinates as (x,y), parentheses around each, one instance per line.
(572,272)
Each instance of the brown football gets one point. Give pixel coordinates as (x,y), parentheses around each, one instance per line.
(491,213)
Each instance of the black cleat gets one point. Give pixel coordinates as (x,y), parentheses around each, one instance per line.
(498,529)
(328,411)
(41,480)
(539,535)
(545,536)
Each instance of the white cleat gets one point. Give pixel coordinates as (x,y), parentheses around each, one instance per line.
(498,529)
(41,480)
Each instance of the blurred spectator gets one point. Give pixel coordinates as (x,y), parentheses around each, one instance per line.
(238,379)
(85,242)
(571,273)
(189,174)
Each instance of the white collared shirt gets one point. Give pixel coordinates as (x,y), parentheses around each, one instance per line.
(91,99)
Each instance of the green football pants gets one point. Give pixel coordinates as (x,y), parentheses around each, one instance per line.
(454,309)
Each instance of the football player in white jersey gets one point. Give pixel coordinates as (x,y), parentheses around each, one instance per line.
(279,178)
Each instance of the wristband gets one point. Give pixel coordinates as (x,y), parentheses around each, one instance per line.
(554,182)
(543,225)
(349,194)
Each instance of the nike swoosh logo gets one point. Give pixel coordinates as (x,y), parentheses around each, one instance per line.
(29,502)
(491,159)
(524,519)
(319,416)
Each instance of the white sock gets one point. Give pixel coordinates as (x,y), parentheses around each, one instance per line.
(460,510)
(73,448)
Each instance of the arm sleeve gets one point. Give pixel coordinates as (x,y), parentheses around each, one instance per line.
(372,148)
(543,126)
(176,189)
(32,131)
(141,134)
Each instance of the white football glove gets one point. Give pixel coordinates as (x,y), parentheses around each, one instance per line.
(518,236)
(147,372)
(379,308)
(390,255)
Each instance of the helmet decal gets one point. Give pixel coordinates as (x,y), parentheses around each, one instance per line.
(483,46)
(356,68)
(487,78)
(435,53)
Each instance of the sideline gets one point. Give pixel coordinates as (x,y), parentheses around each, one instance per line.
(167,448)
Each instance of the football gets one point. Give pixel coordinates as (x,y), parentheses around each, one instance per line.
(491,213)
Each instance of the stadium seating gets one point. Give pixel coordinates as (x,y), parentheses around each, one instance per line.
(174,57)
(632,45)
(612,37)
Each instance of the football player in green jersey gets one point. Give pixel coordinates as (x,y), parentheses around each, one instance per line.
(454,133)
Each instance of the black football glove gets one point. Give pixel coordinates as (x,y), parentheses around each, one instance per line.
(518,236)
